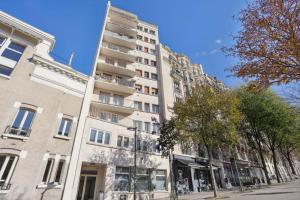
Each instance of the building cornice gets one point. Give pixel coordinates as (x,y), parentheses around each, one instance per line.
(61,68)
(26,28)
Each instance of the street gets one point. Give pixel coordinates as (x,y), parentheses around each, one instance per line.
(286,191)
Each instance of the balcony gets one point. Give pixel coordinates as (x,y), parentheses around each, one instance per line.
(116,67)
(120,52)
(125,106)
(123,16)
(121,39)
(176,74)
(18,133)
(117,85)
(119,27)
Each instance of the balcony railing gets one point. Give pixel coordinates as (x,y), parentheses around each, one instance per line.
(176,74)
(109,100)
(124,82)
(17,131)
(122,26)
(117,48)
(120,36)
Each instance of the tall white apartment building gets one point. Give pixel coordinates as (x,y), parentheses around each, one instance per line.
(123,92)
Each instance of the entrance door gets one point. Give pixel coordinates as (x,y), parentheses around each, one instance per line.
(86,188)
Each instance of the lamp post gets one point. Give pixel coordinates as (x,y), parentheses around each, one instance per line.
(134,168)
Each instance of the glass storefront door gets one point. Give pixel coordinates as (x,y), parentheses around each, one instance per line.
(86,188)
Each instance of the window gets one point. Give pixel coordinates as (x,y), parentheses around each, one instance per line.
(177,87)
(123,141)
(143,180)
(155,128)
(139,59)
(147,127)
(114,118)
(138,88)
(104,97)
(139,37)
(152,32)
(155,147)
(153,76)
(146,89)
(103,116)
(153,63)
(140,28)
(155,108)
(152,51)
(22,122)
(99,136)
(138,105)
(147,107)
(138,73)
(65,126)
(146,61)
(118,100)
(59,171)
(146,49)
(14,51)
(122,179)
(109,61)
(146,39)
(146,74)
(152,41)
(7,165)
(139,48)
(146,30)
(154,91)
(160,180)
(138,125)
(2,40)
(48,170)
(5,70)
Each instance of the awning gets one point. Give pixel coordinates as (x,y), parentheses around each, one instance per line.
(191,164)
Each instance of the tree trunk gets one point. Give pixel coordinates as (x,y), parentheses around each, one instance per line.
(173,190)
(275,166)
(212,175)
(291,163)
(264,165)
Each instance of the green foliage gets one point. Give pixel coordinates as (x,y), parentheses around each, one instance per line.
(208,116)
(168,136)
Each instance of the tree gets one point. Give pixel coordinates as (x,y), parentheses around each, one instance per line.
(168,138)
(268,45)
(266,117)
(208,116)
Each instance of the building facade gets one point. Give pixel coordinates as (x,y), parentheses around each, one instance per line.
(40,103)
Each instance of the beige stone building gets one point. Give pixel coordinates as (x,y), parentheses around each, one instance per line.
(40,102)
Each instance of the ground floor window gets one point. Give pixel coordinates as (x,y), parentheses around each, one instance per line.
(7,165)
(122,179)
(160,180)
(143,180)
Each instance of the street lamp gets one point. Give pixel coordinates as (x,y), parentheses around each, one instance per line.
(134,168)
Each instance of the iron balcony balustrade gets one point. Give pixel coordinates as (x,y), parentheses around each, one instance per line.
(120,38)
(176,74)
(17,131)
(4,186)
(114,84)
(117,51)
(112,104)
(116,67)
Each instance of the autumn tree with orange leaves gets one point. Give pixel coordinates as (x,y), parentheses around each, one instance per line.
(268,46)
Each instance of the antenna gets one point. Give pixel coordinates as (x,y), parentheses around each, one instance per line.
(71,58)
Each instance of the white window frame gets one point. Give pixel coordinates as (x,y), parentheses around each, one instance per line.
(66,120)
(11,170)
(105,133)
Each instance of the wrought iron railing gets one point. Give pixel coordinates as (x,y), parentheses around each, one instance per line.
(18,131)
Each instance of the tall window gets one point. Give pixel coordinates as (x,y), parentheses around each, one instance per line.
(138,125)
(114,118)
(65,127)
(155,128)
(104,97)
(118,100)
(153,63)
(160,180)
(138,88)
(59,171)
(155,108)
(99,136)
(22,123)
(143,180)
(7,165)
(147,107)
(146,61)
(146,89)
(123,141)
(48,169)
(138,105)
(14,51)
(153,76)
(147,127)
(122,179)
(146,74)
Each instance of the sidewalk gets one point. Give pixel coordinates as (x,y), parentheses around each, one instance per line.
(232,193)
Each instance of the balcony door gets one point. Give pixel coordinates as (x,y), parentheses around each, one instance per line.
(86,188)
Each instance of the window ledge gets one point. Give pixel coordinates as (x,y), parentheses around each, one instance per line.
(62,137)
(98,144)
(4,191)
(49,186)
(6,135)
(4,77)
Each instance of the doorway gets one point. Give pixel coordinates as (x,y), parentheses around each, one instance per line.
(86,188)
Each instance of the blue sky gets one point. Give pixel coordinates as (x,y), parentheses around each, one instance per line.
(197,28)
